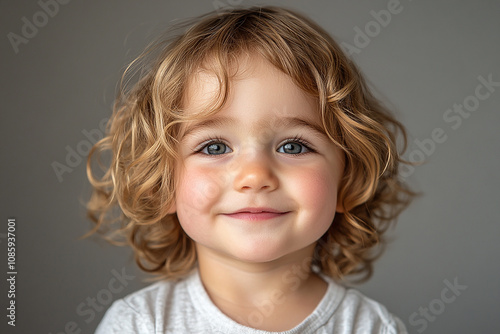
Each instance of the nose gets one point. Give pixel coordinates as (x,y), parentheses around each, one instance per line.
(255,174)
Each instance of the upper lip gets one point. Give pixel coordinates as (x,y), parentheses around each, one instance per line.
(257,210)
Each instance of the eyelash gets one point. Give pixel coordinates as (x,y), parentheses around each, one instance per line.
(207,142)
(301,141)
(216,140)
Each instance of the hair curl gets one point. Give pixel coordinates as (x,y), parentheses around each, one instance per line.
(141,137)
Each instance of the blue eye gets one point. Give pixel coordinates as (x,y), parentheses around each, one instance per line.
(215,148)
(294,147)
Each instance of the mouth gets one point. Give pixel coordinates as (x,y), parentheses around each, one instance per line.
(256,214)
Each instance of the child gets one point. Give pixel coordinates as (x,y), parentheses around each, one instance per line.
(254,171)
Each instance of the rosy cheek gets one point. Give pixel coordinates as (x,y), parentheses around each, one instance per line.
(198,190)
(319,192)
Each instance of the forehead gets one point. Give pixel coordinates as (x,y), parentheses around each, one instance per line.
(256,88)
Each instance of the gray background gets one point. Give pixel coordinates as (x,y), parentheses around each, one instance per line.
(428,58)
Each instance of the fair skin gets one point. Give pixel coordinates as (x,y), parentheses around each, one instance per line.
(256,188)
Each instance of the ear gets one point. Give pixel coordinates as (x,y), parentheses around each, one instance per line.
(340,207)
(172,208)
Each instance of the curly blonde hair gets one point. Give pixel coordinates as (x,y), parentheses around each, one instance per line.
(139,178)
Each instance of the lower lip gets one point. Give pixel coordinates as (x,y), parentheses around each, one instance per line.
(256,216)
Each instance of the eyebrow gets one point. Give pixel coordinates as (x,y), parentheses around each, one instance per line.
(214,122)
(296,121)
(282,122)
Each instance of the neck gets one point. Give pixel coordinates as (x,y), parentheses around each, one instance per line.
(275,295)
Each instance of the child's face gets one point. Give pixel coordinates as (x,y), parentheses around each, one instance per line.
(248,156)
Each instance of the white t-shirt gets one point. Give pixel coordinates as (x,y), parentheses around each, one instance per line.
(185,307)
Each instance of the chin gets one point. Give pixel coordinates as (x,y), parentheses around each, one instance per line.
(258,253)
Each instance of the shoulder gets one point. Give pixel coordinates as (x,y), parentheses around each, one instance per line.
(356,313)
(143,311)
(365,315)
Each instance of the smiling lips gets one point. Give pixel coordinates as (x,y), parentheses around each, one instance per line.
(255,214)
